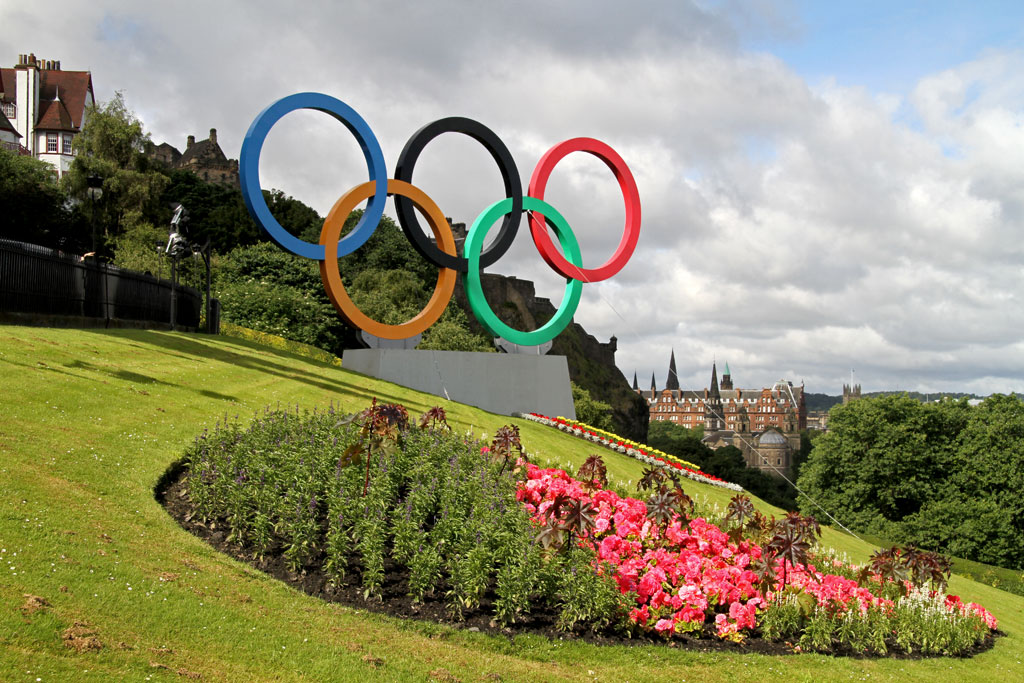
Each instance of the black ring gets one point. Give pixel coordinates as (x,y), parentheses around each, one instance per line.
(509,176)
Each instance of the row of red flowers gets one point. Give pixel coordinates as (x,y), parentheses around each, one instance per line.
(684,574)
(641,452)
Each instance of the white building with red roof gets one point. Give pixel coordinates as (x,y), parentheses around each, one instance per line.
(46,108)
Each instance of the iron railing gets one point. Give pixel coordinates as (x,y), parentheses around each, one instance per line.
(43,281)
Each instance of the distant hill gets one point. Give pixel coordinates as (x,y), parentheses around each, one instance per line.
(917,395)
(820,401)
(824,401)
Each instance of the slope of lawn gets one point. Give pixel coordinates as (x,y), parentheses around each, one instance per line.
(90,420)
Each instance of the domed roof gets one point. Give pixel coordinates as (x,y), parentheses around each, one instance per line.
(771,438)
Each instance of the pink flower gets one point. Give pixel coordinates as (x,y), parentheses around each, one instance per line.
(664,625)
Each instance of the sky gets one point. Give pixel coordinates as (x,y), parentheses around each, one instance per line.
(831,191)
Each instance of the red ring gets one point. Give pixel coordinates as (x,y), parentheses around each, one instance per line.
(627,184)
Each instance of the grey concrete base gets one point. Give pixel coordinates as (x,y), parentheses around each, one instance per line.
(501,383)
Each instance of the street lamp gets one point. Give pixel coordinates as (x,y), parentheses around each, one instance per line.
(204,251)
(177,246)
(95,190)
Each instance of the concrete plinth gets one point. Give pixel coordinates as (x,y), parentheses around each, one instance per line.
(501,383)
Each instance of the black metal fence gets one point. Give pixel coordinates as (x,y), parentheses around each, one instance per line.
(43,281)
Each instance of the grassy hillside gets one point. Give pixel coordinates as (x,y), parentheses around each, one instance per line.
(91,419)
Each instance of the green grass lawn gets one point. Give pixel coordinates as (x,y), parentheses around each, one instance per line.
(89,421)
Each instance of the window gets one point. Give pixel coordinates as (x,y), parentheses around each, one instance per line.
(51,142)
(67,144)
(10,110)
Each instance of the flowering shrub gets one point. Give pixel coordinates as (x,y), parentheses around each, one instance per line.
(477,527)
(352,494)
(683,577)
(641,452)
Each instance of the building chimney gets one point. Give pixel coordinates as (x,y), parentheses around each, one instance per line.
(213,136)
(191,141)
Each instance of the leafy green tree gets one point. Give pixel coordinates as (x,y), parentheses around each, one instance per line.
(296,217)
(265,288)
(267,262)
(110,147)
(386,250)
(285,311)
(981,511)
(589,410)
(388,296)
(679,441)
(882,459)
(216,212)
(33,205)
(452,333)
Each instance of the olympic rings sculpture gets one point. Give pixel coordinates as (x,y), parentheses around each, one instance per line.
(442,252)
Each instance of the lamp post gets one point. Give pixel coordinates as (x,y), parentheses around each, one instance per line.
(176,247)
(204,251)
(95,190)
(94,186)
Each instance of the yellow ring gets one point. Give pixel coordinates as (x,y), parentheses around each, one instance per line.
(331,233)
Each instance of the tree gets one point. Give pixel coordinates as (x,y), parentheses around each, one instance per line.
(452,333)
(589,410)
(387,249)
(388,296)
(33,205)
(986,480)
(679,441)
(944,475)
(882,459)
(110,147)
(268,289)
(216,212)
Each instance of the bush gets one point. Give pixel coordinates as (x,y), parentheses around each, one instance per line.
(356,491)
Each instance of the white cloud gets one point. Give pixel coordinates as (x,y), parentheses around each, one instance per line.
(790,230)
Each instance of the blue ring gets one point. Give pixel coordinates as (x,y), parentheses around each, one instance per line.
(249,172)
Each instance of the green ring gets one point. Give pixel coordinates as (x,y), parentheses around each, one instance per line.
(475,291)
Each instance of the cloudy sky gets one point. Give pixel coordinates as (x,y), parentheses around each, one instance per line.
(826,187)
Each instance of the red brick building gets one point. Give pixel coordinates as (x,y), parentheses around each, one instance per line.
(731,416)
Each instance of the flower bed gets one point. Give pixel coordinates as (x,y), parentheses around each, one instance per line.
(641,452)
(684,575)
(376,502)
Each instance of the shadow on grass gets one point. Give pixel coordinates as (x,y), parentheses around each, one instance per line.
(261,360)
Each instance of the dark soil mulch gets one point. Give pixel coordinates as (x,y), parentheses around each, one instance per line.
(172,493)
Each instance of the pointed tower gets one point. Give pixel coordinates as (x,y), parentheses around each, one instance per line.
(636,387)
(654,389)
(714,416)
(727,379)
(673,378)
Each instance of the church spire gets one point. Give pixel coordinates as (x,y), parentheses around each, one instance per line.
(654,390)
(714,416)
(673,378)
(636,387)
